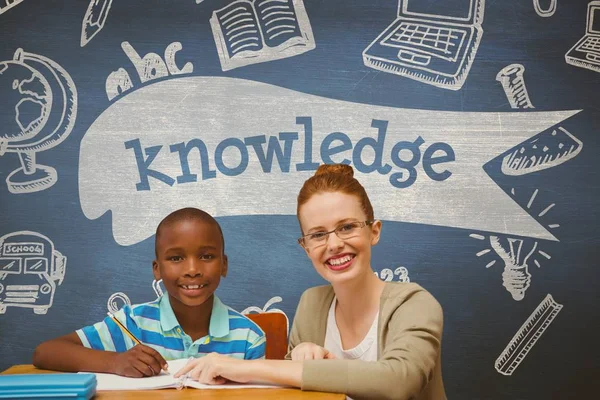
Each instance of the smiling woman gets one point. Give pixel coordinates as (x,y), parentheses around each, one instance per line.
(358,335)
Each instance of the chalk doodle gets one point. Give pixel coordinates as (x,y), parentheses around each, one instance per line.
(548,149)
(548,12)
(267,308)
(39,101)
(527,335)
(157,288)
(586,52)
(117,301)
(513,83)
(30,271)
(387,275)
(219,138)
(149,67)
(94,19)
(8,4)
(437,48)
(249,32)
(516,255)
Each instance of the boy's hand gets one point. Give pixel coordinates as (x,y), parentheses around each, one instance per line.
(310,351)
(138,362)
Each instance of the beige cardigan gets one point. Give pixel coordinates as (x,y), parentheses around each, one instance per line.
(408,365)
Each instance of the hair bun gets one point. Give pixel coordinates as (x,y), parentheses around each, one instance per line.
(337,169)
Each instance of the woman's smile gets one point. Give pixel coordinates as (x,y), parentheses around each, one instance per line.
(340,262)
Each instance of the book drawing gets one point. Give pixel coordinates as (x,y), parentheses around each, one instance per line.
(255,31)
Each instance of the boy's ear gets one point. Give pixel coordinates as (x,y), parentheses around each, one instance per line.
(225,266)
(375,232)
(156,270)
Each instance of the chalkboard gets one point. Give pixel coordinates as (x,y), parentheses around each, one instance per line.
(472,124)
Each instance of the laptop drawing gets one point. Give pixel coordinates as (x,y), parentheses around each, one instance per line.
(586,52)
(432,41)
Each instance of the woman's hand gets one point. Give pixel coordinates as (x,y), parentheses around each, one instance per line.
(310,351)
(216,369)
(139,361)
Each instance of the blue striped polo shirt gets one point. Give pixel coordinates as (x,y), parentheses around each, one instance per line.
(155,325)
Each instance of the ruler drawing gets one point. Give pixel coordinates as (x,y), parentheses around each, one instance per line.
(527,335)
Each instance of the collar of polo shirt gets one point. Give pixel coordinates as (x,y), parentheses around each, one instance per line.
(219,318)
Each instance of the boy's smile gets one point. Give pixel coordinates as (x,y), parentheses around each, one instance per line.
(190,261)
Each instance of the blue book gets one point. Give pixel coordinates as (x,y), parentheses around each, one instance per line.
(46,386)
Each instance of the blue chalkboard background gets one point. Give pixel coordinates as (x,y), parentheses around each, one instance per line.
(481,317)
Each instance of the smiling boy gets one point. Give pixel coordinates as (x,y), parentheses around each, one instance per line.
(188,320)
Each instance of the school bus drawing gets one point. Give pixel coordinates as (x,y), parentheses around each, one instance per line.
(30,271)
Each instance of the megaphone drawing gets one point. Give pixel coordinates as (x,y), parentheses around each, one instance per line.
(38,112)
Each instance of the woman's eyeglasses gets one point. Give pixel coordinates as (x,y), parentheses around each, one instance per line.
(344,231)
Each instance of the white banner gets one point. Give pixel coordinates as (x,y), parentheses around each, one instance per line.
(238,147)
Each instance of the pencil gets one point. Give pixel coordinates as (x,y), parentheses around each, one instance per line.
(94,19)
(124,329)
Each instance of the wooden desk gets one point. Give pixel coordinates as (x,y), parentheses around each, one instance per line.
(190,393)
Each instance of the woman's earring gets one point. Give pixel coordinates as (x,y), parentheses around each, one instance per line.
(157,289)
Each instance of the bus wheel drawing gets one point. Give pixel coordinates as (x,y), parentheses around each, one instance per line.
(30,271)
(39,111)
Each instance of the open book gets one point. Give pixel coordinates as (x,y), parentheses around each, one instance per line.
(163,381)
(254,31)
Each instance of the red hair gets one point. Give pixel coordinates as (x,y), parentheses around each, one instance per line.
(335,178)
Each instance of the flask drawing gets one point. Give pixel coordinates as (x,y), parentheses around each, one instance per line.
(516,277)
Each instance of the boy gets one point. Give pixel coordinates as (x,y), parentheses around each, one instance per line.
(187,321)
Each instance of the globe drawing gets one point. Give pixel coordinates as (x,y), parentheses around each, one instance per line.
(30,93)
(38,111)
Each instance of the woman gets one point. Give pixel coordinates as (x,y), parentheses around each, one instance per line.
(358,335)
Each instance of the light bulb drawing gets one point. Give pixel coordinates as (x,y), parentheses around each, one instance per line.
(516,254)
(516,277)
(43,99)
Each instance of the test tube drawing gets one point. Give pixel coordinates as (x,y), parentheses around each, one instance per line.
(513,83)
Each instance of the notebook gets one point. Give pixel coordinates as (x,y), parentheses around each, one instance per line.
(586,52)
(163,381)
(432,41)
(48,386)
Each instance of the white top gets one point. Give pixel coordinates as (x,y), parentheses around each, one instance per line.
(366,350)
